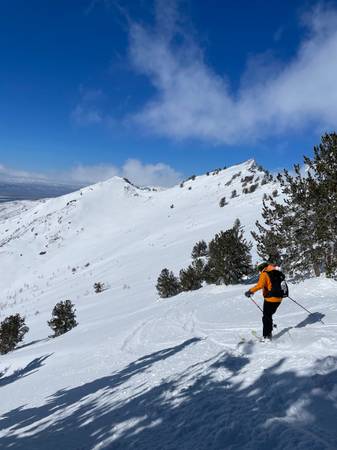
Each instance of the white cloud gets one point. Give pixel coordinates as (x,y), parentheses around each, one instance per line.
(13,175)
(91,173)
(192,101)
(141,174)
(150,174)
(88,111)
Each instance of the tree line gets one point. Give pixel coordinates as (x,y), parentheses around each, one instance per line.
(300,232)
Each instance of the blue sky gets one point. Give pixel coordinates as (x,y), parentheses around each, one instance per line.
(156,90)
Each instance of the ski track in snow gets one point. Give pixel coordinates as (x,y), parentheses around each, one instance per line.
(138,372)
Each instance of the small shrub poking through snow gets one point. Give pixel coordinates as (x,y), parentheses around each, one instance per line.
(12,331)
(253,187)
(223,202)
(247,179)
(63,318)
(99,287)
(168,284)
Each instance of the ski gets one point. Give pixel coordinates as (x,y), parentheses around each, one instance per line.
(256,336)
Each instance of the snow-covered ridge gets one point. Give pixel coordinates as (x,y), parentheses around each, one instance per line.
(143,372)
(116,215)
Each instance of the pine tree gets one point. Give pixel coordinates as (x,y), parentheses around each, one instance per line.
(189,279)
(168,284)
(63,318)
(322,190)
(198,265)
(302,231)
(199,250)
(270,238)
(229,257)
(12,331)
(300,227)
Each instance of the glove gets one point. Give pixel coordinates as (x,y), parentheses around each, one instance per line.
(248,294)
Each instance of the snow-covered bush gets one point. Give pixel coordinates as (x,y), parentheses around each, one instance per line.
(247,179)
(63,318)
(167,284)
(12,331)
(253,187)
(223,202)
(99,287)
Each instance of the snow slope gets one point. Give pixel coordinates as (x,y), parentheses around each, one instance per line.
(141,372)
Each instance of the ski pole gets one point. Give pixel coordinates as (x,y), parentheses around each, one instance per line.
(256,304)
(274,325)
(305,309)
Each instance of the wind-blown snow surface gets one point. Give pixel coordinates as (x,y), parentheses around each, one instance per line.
(139,372)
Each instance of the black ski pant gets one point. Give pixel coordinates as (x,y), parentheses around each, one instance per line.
(269,308)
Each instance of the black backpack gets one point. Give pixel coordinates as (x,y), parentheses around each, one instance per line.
(279,287)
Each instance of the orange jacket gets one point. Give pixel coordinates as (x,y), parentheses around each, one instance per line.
(264,283)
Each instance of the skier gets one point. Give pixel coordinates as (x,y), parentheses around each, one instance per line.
(270,281)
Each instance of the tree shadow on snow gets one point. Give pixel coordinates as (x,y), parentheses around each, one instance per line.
(29,344)
(31,368)
(204,407)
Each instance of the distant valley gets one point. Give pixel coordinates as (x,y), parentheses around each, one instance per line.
(14,190)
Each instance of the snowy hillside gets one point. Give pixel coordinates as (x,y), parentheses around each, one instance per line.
(179,373)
